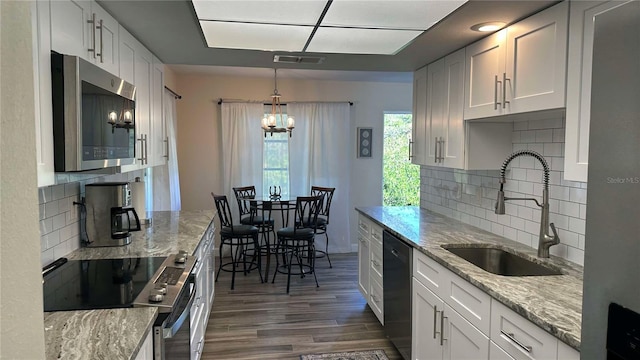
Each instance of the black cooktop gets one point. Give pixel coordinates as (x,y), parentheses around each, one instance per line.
(97,284)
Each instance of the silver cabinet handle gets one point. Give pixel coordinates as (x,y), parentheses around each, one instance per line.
(512,337)
(374,298)
(504,90)
(146,150)
(410,149)
(442,339)
(141,158)
(199,348)
(92,21)
(441,149)
(435,321)
(375,263)
(435,156)
(495,93)
(166,141)
(101,40)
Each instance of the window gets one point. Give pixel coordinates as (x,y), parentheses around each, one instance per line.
(401,179)
(275,158)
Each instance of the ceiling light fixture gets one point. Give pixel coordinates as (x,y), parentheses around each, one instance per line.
(270,123)
(488,26)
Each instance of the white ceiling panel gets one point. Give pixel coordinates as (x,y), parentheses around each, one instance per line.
(360,41)
(398,14)
(255,36)
(269,12)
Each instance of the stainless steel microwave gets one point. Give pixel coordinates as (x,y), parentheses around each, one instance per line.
(93,116)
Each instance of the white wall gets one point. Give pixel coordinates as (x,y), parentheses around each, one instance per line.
(199,142)
(21,321)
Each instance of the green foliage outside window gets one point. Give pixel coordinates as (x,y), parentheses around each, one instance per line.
(401,178)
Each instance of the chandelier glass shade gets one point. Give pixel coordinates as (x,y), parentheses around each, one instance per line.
(275,122)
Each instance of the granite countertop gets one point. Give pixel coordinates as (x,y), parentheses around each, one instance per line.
(552,302)
(169,232)
(97,334)
(119,333)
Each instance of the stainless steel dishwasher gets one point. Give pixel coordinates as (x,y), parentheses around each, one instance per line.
(397,268)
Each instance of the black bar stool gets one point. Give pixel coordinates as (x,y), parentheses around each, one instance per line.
(296,243)
(242,237)
(323,216)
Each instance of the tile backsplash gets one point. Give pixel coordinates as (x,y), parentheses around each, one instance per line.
(60,218)
(469,196)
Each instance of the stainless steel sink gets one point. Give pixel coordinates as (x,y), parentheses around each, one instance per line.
(500,262)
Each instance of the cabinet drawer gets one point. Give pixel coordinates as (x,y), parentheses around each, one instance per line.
(519,337)
(429,272)
(364,226)
(376,262)
(471,302)
(496,353)
(376,233)
(377,299)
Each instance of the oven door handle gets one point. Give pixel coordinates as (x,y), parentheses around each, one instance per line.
(171,330)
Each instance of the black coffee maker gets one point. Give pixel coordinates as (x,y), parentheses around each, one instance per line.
(110,218)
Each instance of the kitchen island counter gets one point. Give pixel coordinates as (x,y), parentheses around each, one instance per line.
(97,334)
(552,302)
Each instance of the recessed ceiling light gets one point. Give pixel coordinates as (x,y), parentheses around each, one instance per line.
(488,26)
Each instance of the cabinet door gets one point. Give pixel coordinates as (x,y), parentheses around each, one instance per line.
(436,111)
(127,46)
(70,31)
(158,151)
(536,61)
(42,95)
(581,28)
(419,121)
(363,265)
(485,61)
(425,323)
(106,40)
(452,133)
(376,297)
(461,339)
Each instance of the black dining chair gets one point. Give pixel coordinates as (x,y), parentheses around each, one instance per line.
(323,216)
(258,216)
(240,239)
(296,243)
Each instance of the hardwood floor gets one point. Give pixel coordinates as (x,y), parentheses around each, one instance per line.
(260,321)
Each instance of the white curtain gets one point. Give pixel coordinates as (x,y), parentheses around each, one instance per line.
(242,142)
(320,154)
(171,118)
(166,179)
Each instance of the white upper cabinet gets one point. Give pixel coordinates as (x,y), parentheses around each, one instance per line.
(581,29)
(159,142)
(485,67)
(42,94)
(84,29)
(441,137)
(417,152)
(519,69)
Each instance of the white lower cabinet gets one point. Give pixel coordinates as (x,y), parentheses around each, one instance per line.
(439,332)
(496,352)
(453,319)
(146,349)
(370,265)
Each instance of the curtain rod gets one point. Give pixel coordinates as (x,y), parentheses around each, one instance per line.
(175,94)
(264,102)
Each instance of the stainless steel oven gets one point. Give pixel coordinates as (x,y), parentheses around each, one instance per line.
(166,283)
(172,290)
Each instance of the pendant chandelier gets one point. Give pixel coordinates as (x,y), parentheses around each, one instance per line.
(275,122)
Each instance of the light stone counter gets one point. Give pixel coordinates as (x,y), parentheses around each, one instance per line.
(119,333)
(97,334)
(169,232)
(552,302)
